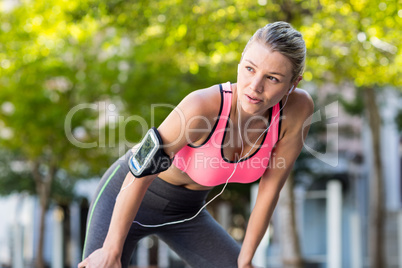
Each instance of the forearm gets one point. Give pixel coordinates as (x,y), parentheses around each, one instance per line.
(256,228)
(124,212)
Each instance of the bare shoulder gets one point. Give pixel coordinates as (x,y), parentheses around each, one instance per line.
(300,104)
(197,111)
(202,102)
(297,111)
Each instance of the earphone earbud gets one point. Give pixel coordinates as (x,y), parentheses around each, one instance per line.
(291,90)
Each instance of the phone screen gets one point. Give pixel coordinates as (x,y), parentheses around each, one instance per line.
(145,149)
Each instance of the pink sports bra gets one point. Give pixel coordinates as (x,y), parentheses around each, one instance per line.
(206,164)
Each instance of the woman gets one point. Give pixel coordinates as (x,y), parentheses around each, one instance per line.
(225,133)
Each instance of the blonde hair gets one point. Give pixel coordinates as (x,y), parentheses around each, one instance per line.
(282,37)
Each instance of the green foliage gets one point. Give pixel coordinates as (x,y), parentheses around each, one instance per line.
(357,41)
(354,107)
(14,174)
(78,78)
(57,54)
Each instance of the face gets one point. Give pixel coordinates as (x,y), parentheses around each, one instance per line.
(264,77)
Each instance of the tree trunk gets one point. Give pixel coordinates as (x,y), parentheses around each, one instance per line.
(43,186)
(291,253)
(377,210)
(39,257)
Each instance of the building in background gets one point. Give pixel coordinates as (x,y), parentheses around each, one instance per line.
(343,240)
(331,204)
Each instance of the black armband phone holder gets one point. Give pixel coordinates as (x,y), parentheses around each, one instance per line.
(149,158)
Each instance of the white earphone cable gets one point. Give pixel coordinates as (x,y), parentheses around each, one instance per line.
(227,181)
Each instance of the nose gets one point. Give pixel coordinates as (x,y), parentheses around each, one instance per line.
(257,84)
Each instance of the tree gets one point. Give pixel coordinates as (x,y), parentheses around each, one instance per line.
(57,55)
(63,63)
(358,41)
(43,76)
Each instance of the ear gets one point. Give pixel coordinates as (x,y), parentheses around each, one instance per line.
(294,85)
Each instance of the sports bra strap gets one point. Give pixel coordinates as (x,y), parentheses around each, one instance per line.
(227,87)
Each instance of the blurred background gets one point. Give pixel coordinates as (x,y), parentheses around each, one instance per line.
(81,81)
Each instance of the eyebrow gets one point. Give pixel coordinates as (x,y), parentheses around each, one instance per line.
(255,65)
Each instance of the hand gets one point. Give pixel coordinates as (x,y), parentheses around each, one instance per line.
(100,258)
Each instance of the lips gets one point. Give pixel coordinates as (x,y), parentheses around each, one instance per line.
(252,99)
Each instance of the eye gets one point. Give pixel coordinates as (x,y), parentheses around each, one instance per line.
(249,69)
(273,78)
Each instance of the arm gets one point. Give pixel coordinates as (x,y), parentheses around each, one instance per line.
(286,151)
(175,134)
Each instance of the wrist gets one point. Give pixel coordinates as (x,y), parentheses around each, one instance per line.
(244,261)
(113,251)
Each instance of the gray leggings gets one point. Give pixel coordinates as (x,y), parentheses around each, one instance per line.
(201,242)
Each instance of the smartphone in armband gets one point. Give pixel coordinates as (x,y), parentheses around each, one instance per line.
(149,158)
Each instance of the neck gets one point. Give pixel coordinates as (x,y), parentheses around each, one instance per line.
(247,125)
(251,120)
